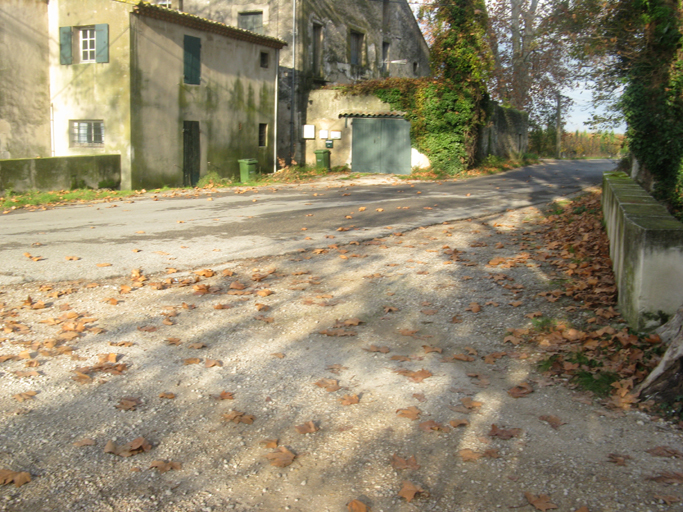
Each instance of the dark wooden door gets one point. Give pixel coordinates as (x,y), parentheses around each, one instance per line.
(190,153)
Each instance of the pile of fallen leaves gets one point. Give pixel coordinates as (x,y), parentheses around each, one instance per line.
(599,354)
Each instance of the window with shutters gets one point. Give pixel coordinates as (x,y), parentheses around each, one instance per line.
(84,45)
(86,133)
(252,21)
(192,60)
(262,135)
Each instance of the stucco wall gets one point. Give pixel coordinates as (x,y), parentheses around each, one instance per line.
(323,111)
(506,133)
(60,173)
(24,79)
(338,19)
(235,95)
(93,91)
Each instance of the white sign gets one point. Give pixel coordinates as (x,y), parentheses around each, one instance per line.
(309,131)
(323,134)
(335,135)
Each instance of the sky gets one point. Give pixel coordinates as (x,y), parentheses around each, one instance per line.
(581,110)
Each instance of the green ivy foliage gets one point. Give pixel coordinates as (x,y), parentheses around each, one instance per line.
(445,112)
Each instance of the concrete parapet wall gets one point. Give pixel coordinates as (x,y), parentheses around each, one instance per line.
(646,247)
(60,173)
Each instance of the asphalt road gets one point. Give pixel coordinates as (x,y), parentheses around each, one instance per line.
(210,230)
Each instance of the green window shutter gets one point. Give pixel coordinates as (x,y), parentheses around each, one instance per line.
(192,71)
(102,43)
(65,52)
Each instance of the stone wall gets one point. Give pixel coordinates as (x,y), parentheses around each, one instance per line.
(646,247)
(60,173)
(505,134)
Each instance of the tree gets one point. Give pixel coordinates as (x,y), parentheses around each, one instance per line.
(634,46)
(530,52)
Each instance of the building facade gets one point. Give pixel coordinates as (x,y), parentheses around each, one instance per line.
(175,95)
(327,43)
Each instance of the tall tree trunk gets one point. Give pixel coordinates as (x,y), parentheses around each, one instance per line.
(665,383)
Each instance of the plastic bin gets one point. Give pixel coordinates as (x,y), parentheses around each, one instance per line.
(247,169)
(322,159)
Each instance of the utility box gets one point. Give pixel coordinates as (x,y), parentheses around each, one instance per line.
(247,169)
(322,159)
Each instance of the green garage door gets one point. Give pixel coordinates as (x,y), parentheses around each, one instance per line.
(381,145)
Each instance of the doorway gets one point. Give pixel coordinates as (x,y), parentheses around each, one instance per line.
(190,153)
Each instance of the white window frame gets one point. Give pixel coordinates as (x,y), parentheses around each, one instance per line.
(87,45)
(83,133)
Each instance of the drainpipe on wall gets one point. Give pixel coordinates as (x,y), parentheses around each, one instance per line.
(277,81)
(293,121)
(52,129)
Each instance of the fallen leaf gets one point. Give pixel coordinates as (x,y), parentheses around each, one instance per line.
(168,395)
(279,355)
(400,463)
(665,451)
(18,478)
(72,258)
(521,390)
(192,360)
(211,363)
(104,264)
(173,341)
(470,404)
(473,307)
(458,423)
(619,460)
(281,458)
(349,400)
(269,443)
(553,421)
(128,403)
(375,348)
(540,502)
(329,384)
(163,466)
(468,455)
(224,396)
(429,348)
(668,477)
(26,395)
(409,490)
(238,417)
(134,447)
(668,499)
(502,433)
(412,413)
(357,506)
(306,428)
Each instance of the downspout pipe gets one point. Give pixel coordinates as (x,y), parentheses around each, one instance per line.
(277,80)
(294,77)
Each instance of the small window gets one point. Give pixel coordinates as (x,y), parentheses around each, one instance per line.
(252,21)
(317,52)
(262,135)
(356,48)
(385,57)
(415,68)
(87,133)
(87,44)
(192,60)
(265,59)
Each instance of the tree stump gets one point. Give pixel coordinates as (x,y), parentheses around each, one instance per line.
(665,382)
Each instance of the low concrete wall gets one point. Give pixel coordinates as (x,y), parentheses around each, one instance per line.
(60,173)
(646,247)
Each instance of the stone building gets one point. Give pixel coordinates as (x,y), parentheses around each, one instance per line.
(174,94)
(327,43)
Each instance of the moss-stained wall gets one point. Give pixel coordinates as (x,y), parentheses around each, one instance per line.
(506,133)
(60,173)
(235,95)
(93,91)
(395,26)
(24,79)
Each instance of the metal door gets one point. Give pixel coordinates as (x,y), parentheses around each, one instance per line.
(190,153)
(381,146)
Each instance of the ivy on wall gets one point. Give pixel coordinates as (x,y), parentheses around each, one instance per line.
(446,111)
